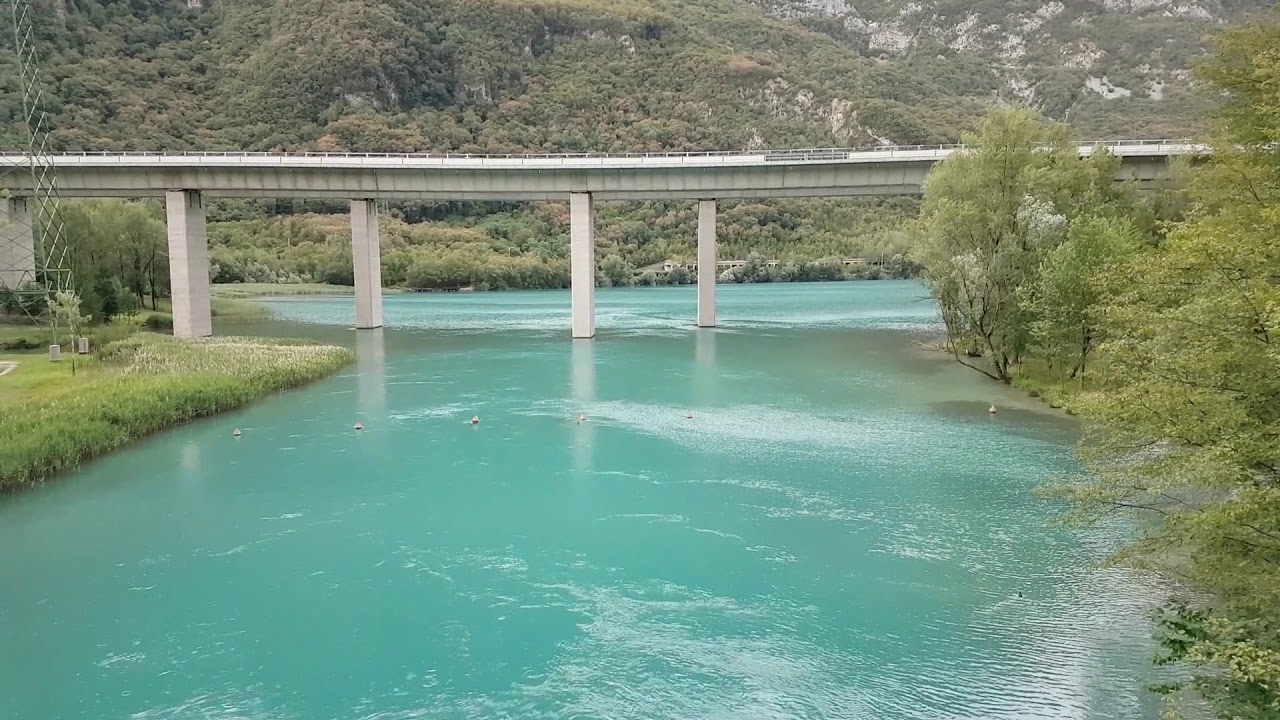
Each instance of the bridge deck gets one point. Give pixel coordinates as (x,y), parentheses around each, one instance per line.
(806,172)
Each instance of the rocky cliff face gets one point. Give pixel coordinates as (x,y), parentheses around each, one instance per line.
(1099,62)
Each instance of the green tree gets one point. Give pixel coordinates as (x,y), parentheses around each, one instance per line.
(1073,282)
(993,214)
(1188,431)
(64,308)
(979,228)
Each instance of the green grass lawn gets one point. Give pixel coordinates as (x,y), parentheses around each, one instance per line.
(36,376)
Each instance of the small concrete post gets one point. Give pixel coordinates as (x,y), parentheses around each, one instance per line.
(188,264)
(366,253)
(17,243)
(706,263)
(582,264)
(82,346)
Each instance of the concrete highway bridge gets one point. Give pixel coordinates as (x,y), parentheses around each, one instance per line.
(185,180)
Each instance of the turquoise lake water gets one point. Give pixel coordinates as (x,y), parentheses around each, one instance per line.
(840,531)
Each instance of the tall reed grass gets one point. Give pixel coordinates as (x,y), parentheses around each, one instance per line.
(143,384)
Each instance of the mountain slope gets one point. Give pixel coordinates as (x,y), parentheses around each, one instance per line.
(1110,67)
(578,75)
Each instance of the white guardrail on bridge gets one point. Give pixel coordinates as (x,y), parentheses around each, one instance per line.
(894,153)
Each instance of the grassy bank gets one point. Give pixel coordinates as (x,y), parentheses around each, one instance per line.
(51,420)
(1054,388)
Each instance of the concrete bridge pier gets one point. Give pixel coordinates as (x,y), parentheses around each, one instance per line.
(366,253)
(582,264)
(706,263)
(188,264)
(17,243)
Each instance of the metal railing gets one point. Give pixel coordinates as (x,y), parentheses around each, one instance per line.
(797,154)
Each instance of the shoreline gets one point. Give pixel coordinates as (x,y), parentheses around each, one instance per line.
(1035,392)
(279,291)
(52,421)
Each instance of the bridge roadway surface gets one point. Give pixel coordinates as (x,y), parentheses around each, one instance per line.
(824,172)
(186,179)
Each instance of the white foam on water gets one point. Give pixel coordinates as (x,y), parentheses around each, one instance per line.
(884,439)
(438,411)
(112,659)
(229,704)
(717,533)
(654,636)
(653,517)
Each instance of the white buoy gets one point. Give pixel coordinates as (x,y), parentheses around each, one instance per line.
(992,409)
(475,420)
(237,432)
(359,426)
(688,415)
(582,417)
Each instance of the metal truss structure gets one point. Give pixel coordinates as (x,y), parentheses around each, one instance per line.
(34,262)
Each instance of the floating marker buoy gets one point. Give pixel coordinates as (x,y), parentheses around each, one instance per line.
(688,415)
(475,420)
(992,409)
(582,417)
(359,426)
(237,432)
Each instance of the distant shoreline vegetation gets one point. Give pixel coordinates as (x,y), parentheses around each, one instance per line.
(730,272)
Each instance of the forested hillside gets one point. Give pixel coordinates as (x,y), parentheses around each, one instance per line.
(577,75)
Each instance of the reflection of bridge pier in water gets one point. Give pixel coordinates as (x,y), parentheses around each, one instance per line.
(705,373)
(192,466)
(583,391)
(371,375)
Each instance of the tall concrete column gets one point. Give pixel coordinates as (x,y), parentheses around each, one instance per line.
(706,263)
(366,251)
(17,243)
(582,263)
(188,264)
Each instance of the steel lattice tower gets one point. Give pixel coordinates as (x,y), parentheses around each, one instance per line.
(33,250)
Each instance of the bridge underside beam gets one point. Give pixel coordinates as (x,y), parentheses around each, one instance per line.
(509,185)
(886,172)
(188,264)
(534,196)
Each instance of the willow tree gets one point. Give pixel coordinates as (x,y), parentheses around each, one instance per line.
(990,216)
(1076,280)
(1188,431)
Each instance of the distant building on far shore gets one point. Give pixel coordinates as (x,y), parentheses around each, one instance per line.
(666,266)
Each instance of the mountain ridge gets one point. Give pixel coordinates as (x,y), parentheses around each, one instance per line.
(584,75)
